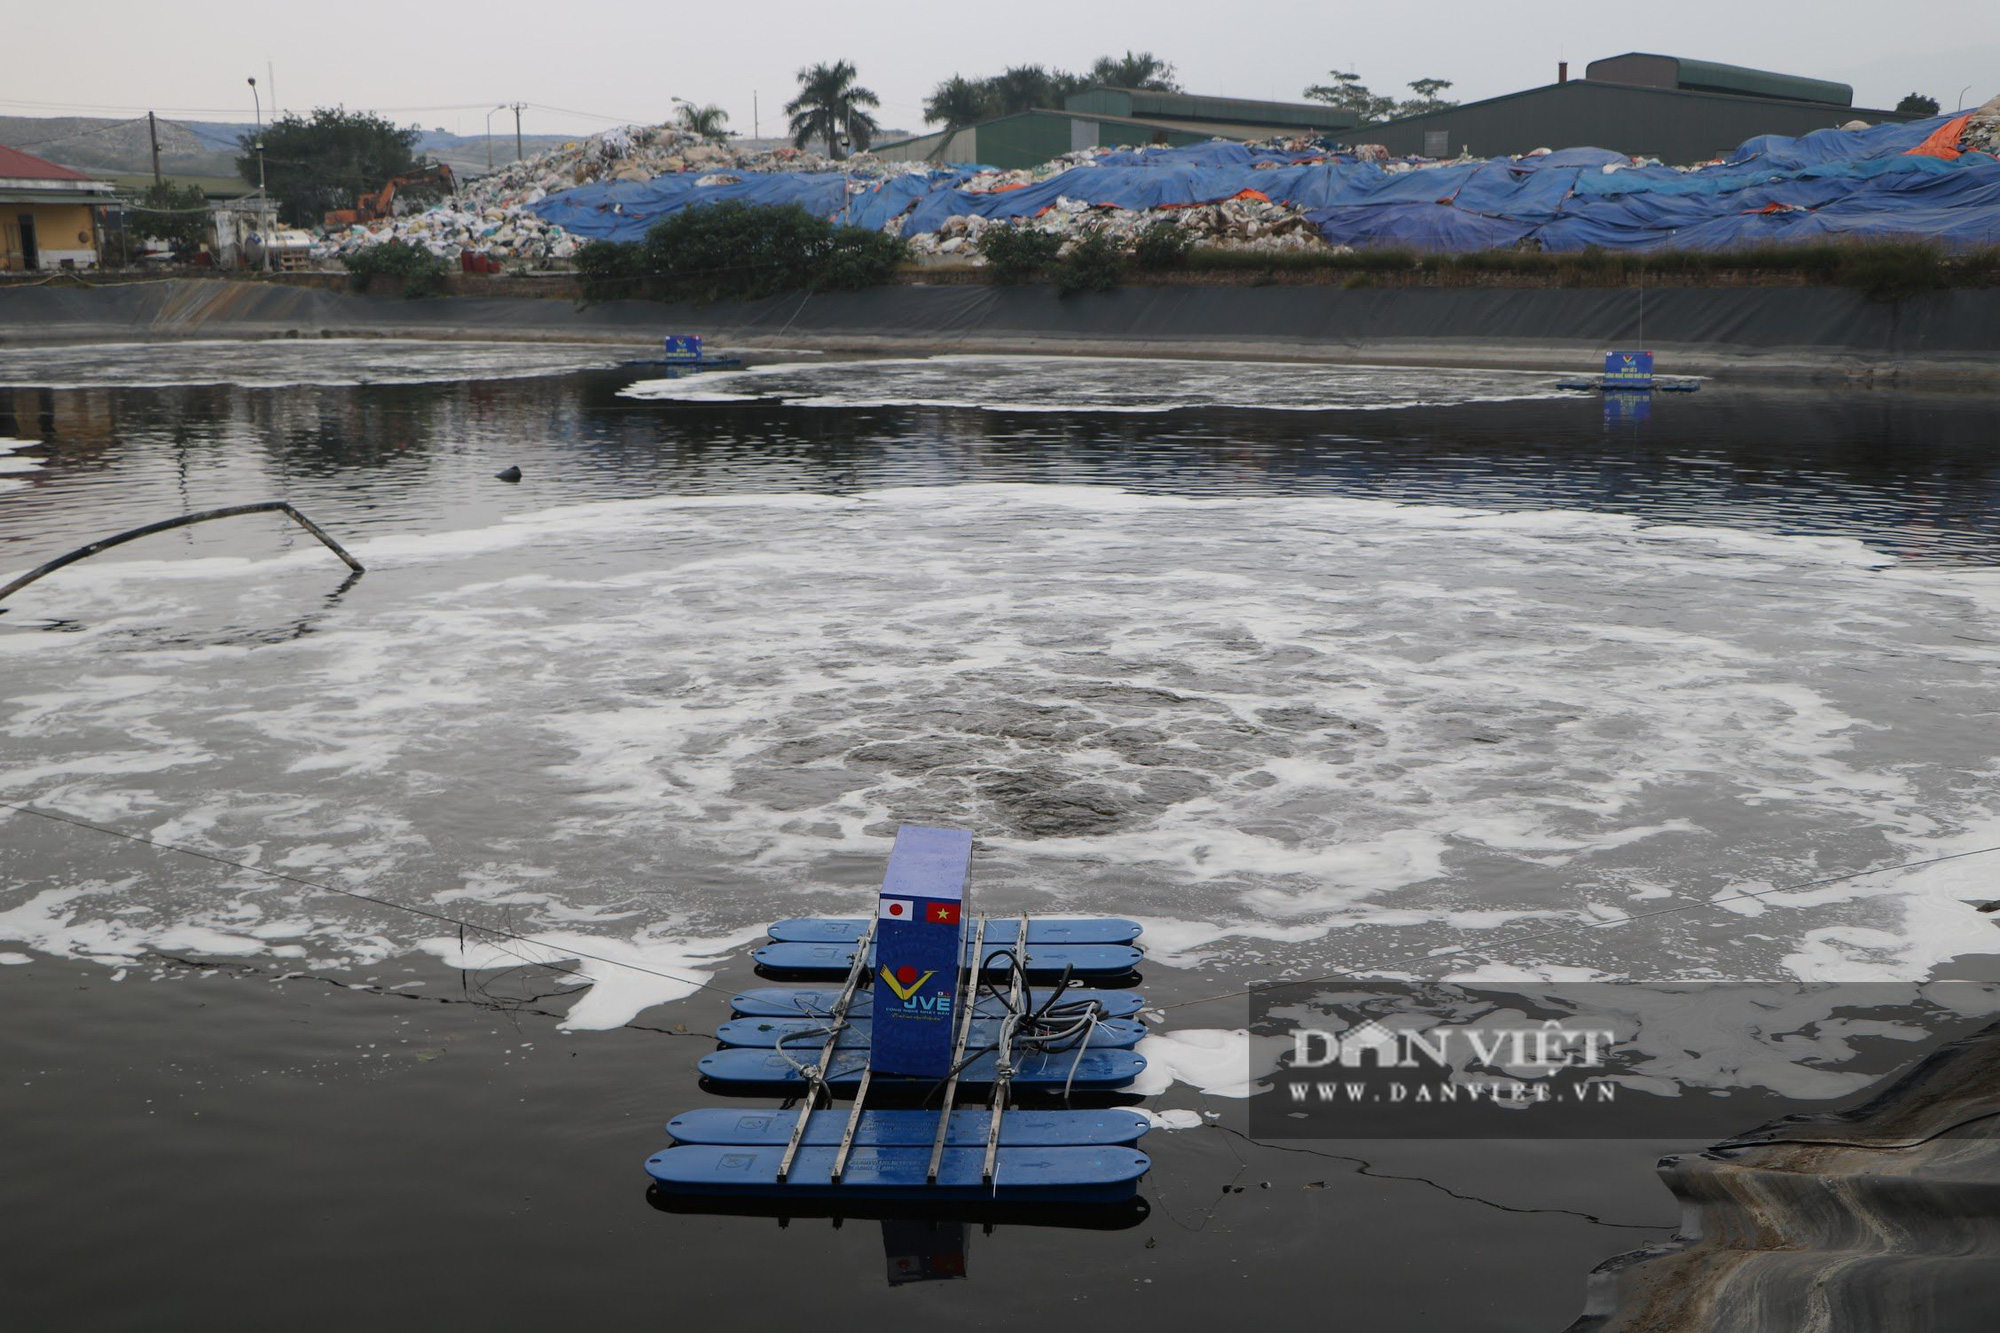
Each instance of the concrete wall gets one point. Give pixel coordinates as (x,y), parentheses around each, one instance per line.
(62,232)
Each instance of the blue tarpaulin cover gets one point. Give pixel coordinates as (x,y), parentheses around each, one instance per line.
(1830,183)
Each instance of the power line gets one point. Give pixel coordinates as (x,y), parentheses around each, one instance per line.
(79,134)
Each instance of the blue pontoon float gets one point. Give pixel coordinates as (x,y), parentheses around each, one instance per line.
(923,1011)
(681,354)
(1629,372)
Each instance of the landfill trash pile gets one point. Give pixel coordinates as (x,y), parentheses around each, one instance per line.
(1251,225)
(1936,179)
(495,215)
(1975,131)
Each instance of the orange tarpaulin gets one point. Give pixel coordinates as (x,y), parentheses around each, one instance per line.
(1944,139)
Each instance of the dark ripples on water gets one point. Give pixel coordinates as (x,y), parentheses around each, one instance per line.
(1914,475)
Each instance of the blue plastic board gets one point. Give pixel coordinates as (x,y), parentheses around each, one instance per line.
(879,1129)
(1043,961)
(816,1002)
(918,939)
(682,347)
(1095,1068)
(1055,1175)
(1082,930)
(805,1036)
(1628,370)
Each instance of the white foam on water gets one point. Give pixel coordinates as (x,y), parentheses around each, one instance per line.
(626,975)
(284,363)
(1172,1119)
(1292,736)
(1215,1061)
(9,464)
(64,923)
(1096,384)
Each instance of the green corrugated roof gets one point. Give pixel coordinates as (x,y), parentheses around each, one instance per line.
(1140,104)
(1709,77)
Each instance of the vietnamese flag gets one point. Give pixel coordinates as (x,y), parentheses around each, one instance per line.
(942,913)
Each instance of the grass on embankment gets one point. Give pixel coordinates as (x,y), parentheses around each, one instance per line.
(1886,269)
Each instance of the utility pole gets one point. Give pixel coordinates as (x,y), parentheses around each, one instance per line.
(153,128)
(517,130)
(489,135)
(756,124)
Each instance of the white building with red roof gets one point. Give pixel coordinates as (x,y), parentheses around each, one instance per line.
(48,213)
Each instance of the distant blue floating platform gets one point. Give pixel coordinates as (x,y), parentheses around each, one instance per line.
(1053,1175)
(815,1002)
(910,1129)
(1042,961)
(999,931)
(1094,1069)
(804,1036)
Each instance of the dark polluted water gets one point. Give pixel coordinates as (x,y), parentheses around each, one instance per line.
(1313,671)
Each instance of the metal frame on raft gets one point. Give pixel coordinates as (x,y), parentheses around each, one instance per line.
(932,1153)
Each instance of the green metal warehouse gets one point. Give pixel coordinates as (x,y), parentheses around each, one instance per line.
(1111,117)
(1680,111)
(1646,105)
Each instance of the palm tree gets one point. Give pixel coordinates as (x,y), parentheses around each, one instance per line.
(1142,70)
(1024,88)
(829,106)
(707,121)
(958,103)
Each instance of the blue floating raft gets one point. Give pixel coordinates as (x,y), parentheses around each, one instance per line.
(910,1129)
(1054,1175)
(1092,1069)
(1603,385)
(811,1002)
(804,1036)
(999,932)
(1041,961)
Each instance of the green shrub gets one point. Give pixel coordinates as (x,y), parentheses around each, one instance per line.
(610,270)
(1094,264)
(1017,253)
(1894,270)
(1980,267)
(422,272)
(857,257)
(731,251)
(735,252)
(1163,244)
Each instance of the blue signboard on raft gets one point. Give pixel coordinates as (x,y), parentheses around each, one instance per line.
(682,347)
(1628,370)
(919,942)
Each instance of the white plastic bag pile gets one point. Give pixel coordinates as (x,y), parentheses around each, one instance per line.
(1251,225)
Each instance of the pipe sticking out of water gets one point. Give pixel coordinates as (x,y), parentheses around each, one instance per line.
(184,520)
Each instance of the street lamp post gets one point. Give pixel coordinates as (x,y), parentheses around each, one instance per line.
(263,198)
(489,135)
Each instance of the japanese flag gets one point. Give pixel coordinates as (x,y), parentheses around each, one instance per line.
(896,909)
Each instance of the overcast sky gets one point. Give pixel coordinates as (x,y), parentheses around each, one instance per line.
(586,64)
